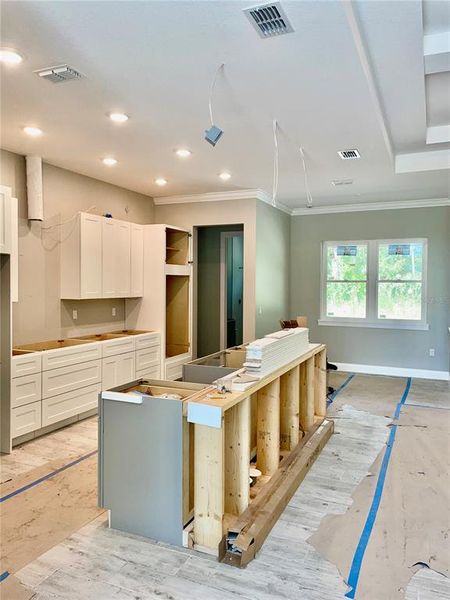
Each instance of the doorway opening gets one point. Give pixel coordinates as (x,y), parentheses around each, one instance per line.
(219,287)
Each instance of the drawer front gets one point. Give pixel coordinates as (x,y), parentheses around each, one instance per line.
(25,390)
(117,370)
(25,419)
(148,357)
(150,373)
(70,404)
(117,346)
(66,379)
(74,355)
(145,340)
(25,364)
(174,368)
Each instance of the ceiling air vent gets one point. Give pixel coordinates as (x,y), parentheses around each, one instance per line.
(339,182)
(58,74)
(269,20)
(349,154)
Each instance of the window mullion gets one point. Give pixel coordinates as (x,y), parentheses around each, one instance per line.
(372,277)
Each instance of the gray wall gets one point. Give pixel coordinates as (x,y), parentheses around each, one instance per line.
(272,268)
(39,314)
(387,347)
(208,290)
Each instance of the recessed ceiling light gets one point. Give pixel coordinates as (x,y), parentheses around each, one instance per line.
(161,181)
(109,161)
(33,131)
(10,57)
(224,176)
(118,117)
(183,152)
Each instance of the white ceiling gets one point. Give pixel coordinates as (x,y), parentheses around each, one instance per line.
(155,61)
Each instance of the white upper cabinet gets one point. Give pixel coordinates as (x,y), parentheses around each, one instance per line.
(123,259)
(109,258)
(101,258)
(5,220)
(91,256)
(137,260)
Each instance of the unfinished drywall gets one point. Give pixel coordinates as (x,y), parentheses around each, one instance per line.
(227,212)
(272,268)
(360,345)
(39,314)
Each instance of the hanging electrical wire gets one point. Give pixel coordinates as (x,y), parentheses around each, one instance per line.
(275,162)
(309,199)
(214,133)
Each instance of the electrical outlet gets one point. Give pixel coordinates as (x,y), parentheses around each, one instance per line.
(74,314)
(113,312)
(431,351)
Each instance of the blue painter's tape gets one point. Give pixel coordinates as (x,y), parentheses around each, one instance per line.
(358,557)
(339,389)
(4,575)
(45,477)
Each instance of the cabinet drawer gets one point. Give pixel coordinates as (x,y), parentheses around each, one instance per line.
(148,357)
(25,390)
(150,373)
(70,404)
(25,364)
(66,379)
(146,340)
(25,419)
(74,355)
(174,367)
(117,370)
(117,346)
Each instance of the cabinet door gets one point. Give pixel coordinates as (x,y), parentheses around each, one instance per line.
(109,267)
(137,260)
(5,220)
(91,255)
(126,368)
(14,250)
(117,370)
(123,259)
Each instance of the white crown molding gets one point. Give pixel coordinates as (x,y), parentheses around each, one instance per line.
(252,194)
(362,207)
(392,371)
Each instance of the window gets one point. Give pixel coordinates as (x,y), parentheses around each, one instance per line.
(376,283)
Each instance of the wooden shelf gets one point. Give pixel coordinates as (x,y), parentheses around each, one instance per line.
(177,247)
(177,315)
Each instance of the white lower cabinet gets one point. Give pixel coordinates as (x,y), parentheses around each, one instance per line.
(118,369)
(147,358)
(66,379)
(174,367)
(25,390)
(25,419)
(149,373)
(69,404)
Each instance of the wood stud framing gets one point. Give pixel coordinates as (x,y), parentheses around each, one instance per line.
(273,418)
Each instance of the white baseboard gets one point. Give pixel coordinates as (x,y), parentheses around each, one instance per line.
(392,371)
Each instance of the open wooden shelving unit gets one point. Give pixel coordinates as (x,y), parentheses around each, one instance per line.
(166,305)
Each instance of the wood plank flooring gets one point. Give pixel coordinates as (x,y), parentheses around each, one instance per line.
(102,564)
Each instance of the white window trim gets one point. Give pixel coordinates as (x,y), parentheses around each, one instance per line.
(371,320)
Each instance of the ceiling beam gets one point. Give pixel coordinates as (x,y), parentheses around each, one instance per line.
(438,134)
(436,52)
(364,59)
(434,160)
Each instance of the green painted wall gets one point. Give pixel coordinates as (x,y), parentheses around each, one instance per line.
(272,268)
(387,347)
